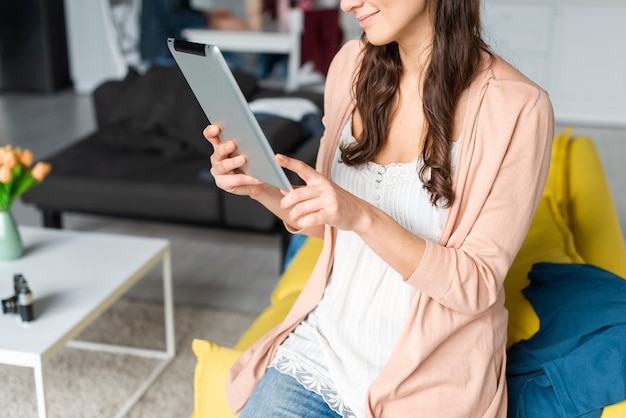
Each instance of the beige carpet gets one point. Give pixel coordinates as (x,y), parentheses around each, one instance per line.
(90,384)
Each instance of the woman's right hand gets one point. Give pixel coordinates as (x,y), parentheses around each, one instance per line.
(225,168)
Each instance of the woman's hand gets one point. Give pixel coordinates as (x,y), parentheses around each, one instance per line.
(321,202)
(226,169)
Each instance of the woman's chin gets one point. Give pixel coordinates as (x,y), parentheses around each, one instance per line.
(377,41)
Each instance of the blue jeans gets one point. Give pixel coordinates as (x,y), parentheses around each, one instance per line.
(279,395)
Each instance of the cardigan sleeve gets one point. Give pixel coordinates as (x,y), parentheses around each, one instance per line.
(502,170)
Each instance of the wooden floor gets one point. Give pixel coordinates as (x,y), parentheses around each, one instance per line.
(217,269)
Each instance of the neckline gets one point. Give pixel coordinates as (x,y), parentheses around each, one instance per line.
(348,136)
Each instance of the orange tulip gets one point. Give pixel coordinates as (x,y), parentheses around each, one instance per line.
(40,171)
(15,164)
(9,160)
(26,158)
(5,174)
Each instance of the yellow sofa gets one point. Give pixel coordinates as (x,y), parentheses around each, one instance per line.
(575,222)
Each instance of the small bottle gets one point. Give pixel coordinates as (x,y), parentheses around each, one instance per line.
(24,298)
(25,304)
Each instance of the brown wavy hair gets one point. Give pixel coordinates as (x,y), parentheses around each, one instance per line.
(455,58)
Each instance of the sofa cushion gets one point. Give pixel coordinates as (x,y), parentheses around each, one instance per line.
(212,366)
(162,102)
(590,195)
(106,96)
(617,410)
(92,177)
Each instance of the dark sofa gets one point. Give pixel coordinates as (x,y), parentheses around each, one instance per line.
(148,158)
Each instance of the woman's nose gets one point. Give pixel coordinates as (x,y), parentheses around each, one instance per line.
(350,5)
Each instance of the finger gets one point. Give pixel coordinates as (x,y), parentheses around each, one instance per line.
(227,165)
(299,195)
(223,150)
(211,133)
(302,169)
(301,207)
(236,181)
(307,214)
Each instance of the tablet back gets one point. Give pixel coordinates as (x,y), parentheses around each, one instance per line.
(224,104)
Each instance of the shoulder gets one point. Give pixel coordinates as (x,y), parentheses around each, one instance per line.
(340,78)
(349,52)
(508,89)
(508,108)
(345,63)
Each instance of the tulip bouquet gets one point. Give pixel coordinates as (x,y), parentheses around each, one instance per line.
(17,175)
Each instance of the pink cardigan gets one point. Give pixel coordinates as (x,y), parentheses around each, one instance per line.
(450,359)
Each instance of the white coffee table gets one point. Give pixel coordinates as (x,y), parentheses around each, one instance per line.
(76,276)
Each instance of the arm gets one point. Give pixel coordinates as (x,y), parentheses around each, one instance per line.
(466,272)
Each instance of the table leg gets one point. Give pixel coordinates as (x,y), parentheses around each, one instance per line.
(296,22)
(168,306)
(42,406)
(170,340)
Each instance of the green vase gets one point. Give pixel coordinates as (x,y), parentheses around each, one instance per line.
(10,240)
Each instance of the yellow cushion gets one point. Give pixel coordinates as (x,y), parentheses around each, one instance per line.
(299,270)
(615,411)
(267,320)
(213,364)
(593,217)
(549,239)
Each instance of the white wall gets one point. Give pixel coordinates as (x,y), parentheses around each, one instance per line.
(572,48)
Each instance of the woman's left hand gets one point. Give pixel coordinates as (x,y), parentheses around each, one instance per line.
(321,202)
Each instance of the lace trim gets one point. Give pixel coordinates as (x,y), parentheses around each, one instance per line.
(313,383)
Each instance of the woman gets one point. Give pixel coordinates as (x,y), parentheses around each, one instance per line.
(432,162)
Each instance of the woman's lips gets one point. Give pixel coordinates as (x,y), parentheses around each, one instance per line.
(364,20)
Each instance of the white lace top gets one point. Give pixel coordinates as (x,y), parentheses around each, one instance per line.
(339,349)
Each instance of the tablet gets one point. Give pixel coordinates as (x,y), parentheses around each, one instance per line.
(224,104)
